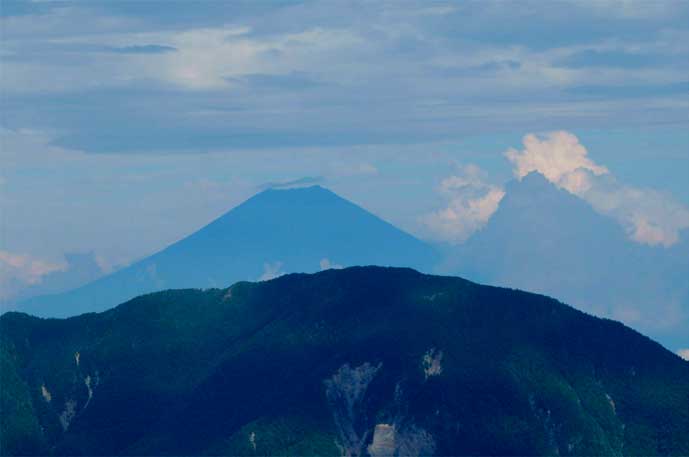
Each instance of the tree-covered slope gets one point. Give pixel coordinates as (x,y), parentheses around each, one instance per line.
(360,361)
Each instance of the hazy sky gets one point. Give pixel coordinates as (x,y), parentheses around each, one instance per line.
(127,125)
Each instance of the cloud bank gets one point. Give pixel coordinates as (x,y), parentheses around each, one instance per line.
(310,74)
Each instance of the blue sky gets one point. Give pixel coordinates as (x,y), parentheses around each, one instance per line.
(128,124)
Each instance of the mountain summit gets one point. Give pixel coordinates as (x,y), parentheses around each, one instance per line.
(547,240)
(274,232)
(363,361)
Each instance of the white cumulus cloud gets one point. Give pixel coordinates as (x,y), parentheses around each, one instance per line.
(649,216)
(559,157)
(471,202)
(684,353)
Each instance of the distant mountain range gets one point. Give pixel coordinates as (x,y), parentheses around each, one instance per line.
(546,240)
(360,361)
(541,238)
(276,231)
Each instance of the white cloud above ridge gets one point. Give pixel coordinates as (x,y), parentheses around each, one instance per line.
(326,264)
(649,216)
(471,203)
(559,157)
(271,270)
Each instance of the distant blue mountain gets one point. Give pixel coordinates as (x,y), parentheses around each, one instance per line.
(276,231)
(546,240)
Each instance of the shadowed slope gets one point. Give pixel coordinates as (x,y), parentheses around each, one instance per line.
(361,360)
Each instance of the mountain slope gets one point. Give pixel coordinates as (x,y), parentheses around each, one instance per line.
(546,240)
(360,361)
(275,231)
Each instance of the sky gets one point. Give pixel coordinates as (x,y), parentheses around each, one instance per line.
(126,125)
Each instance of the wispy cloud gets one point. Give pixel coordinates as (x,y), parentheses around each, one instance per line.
(327,264)
(141,49)
(338,73)
(351,168)
(299,182)
(271,270)
(631,9)
(18,271)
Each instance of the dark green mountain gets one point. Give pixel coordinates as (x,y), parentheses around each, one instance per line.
(359,361)
(273,232)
